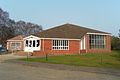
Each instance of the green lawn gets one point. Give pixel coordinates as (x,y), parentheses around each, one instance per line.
(107,60)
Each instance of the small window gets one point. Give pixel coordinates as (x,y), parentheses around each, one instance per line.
(33,43)
(26,43)
(37,43)
(30,43)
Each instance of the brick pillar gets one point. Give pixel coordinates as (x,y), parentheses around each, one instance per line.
(87,42)
(109,43)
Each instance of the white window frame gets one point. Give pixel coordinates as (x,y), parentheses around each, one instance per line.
(58,44)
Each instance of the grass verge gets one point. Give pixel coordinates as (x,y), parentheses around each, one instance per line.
(106,60)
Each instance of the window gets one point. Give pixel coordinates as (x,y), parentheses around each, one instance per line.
(60,44)
(37,43)
(30,43)
(97,41)
(26,43)
(33,43)
(15,45)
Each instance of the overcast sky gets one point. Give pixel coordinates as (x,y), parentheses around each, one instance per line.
(97,14)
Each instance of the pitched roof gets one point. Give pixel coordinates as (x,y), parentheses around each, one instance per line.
(66,31)
(19,37)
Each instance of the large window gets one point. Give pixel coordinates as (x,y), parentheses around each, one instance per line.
(60,45)
(97,41)
(15,45)
(32,43)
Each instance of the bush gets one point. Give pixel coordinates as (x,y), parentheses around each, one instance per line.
(115,43)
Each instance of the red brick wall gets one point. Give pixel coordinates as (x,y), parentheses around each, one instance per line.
(74,47)
(87,43)
(47,44)
(109,43)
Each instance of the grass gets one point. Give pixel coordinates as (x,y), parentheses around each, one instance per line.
(106,60)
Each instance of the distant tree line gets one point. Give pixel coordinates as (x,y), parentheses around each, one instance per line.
(9,28)
(115,42)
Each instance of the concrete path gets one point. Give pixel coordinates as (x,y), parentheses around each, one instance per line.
(16,71)
(8,57)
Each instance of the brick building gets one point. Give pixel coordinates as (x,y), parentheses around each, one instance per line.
(65,39)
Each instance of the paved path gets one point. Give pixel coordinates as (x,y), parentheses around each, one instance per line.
(16,71)
(8,57)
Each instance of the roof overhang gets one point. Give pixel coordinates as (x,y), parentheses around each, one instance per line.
(31,36)
(60,38)
(14,40)
(99,33)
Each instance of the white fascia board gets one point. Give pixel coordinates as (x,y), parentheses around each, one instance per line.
(60,38)
(31,36)
(99,33)
(49,38)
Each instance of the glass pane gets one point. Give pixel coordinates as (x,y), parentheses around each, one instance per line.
(26,43)
(33,43)
(30,43)
(38,43)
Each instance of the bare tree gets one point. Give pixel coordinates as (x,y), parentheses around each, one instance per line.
(9,28)
(26,28)
(5,33)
